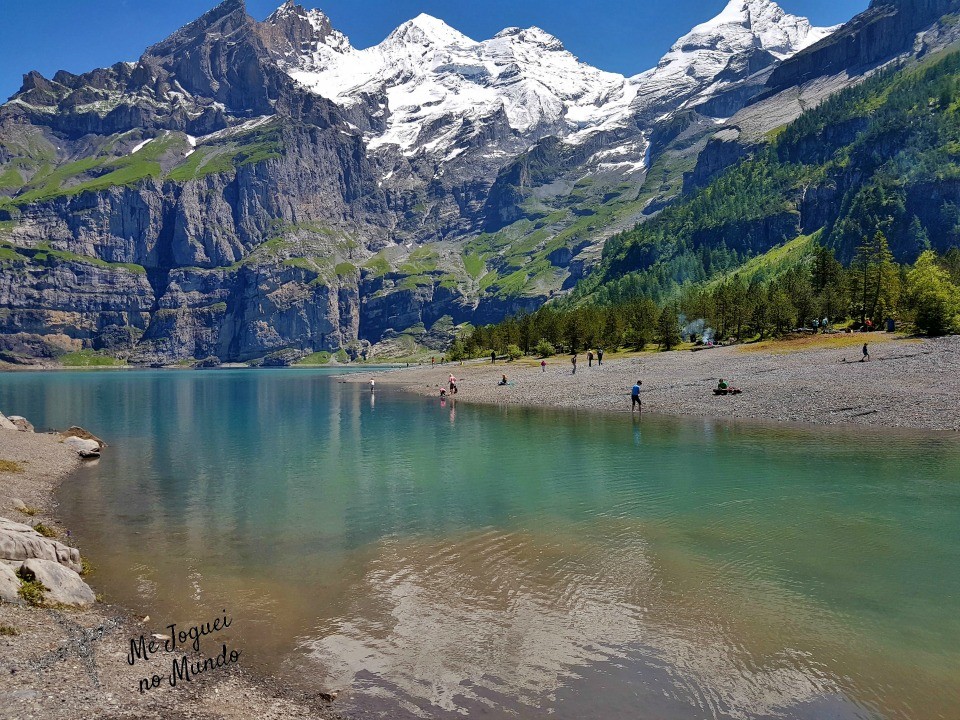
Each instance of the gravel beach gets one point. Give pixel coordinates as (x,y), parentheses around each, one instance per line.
(908,383)
(72,664)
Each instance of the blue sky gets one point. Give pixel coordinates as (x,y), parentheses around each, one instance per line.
(626,37)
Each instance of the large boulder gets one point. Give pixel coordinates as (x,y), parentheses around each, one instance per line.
(85,448)
(20,542)
(63,586)
(5,424)
(9,583)
(79,432)
(21,423)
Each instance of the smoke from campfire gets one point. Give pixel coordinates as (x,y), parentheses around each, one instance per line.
(696,329)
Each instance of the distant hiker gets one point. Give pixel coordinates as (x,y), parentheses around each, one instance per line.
(493,357)
(816,325)
(590,358)
(543,366)
(823,324)
(433,361)
(574,361)
(443,360)
(866,354)
(503,380)
(599,356)
(635,397)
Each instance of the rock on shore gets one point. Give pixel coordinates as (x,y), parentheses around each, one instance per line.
(70,664)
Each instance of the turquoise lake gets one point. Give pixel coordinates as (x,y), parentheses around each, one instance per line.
(434,560)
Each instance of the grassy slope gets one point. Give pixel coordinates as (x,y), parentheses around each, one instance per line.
(875,142)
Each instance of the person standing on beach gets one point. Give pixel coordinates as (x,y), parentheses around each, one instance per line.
(574,361)
(590,358)
(453,384)
(493,357)
(543,366)
(866,354)
(635,403)
(599,356)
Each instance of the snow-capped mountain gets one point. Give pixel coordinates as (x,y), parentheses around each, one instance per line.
(433,79)
(746,36)
(247,187)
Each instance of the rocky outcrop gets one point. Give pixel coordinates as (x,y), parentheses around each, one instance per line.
(722,150)
(19,542)
(79,432)
(62,586)
(220,198)
(84,448)
(21,423)
(9,584)
(886,29)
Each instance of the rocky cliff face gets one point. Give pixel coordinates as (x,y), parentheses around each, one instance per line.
(248,188)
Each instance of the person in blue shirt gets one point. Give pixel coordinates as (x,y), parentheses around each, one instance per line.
(635,397)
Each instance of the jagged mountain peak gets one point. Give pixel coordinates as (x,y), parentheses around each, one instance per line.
(428,31)
(532,35)
(229,14)
(746,24)
(298,36)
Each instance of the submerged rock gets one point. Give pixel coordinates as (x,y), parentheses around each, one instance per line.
(79,432)
(63,586)
(84,448)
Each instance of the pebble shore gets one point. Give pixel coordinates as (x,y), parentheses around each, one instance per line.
(908,383)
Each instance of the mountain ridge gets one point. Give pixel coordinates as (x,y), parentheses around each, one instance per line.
(268,218)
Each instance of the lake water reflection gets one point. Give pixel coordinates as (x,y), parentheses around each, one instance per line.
(446,559)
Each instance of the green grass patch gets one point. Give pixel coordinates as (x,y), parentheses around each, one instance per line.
(774,262)
(419,262)
(89,358)
(10,179)
(378,265)
(412,282)
(233,151)
(473,265)
(44,530)
(345,268)
(8,630)
(86,567)
(10,466)
(32,592)
(317,358)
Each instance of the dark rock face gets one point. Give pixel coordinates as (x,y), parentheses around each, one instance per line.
(722,150)
(885,29)
(207,206)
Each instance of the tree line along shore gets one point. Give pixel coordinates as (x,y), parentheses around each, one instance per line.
(815,293)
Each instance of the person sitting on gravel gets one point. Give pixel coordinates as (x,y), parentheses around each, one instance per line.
(503,380)
(723,388)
